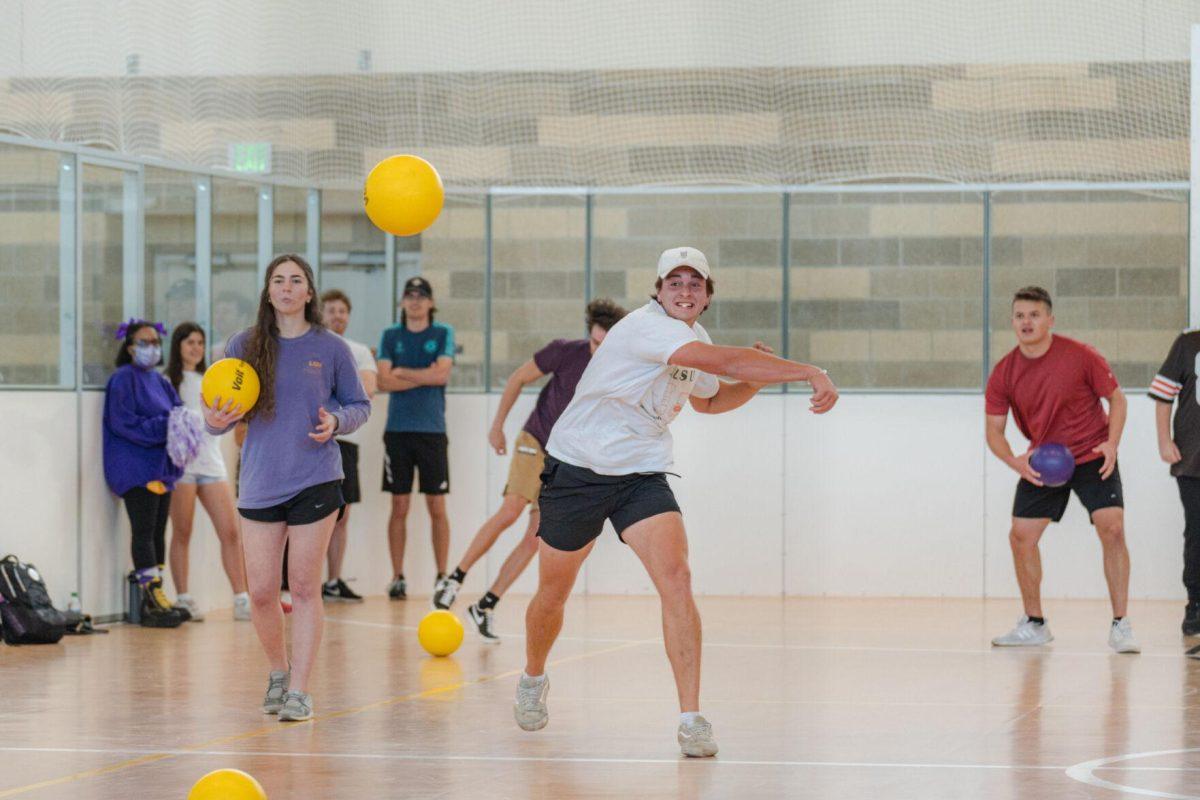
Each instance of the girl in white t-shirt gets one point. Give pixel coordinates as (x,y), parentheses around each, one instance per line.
(206,478)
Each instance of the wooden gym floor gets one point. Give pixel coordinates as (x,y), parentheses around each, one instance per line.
(809,698)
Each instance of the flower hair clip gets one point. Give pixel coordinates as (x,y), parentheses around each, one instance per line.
(124,327)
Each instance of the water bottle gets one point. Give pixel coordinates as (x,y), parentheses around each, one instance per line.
(73,604)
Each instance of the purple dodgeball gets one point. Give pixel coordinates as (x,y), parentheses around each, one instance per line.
(1054,462)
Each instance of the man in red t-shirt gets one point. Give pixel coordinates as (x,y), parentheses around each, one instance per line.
(1054,386)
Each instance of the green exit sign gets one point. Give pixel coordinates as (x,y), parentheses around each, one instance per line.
(250,157)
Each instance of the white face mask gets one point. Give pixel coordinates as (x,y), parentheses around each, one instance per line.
(146,355)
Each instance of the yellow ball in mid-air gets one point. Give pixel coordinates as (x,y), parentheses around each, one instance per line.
(227,784)
(230,379)
(440,633)
(403,195)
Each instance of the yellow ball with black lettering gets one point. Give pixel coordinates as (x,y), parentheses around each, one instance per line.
(403,195)
(230,379)
(440,633)
(227,784)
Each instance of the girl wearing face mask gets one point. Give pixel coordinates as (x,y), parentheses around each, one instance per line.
(137,405)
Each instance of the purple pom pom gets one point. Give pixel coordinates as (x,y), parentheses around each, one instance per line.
(185,432)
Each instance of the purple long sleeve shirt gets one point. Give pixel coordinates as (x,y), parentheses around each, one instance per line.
(279,460)
(137,403)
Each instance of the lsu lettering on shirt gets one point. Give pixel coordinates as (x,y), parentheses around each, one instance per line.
(618,422)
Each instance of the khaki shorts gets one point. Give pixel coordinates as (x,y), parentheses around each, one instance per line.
(525,472)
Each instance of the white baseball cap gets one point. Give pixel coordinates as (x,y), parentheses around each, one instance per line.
(676,257)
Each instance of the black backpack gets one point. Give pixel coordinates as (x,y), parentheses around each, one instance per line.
(26,614)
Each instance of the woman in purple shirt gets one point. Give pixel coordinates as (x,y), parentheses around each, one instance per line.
(290,483)
(137,406)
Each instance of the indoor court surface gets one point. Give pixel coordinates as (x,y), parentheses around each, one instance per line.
(808,698)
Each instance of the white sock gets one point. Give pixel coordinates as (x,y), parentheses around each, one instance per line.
(688,717)
(241,597)
(184,597)
(527,677)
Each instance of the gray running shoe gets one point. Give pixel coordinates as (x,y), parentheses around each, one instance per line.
(1026,634)
(530,706)
(277,685)
(445,591)
(696,739)
(297,707)
(1121,639)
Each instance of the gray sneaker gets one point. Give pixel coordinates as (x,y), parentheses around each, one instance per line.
(277,686)
(1121,639)
(696,739)
(297,707)
(1026,634)
(445,591)
(530,706)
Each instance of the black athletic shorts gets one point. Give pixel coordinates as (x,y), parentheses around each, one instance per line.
(351,491)
(424,452)
(1049,502)
(575,502)
(310,505)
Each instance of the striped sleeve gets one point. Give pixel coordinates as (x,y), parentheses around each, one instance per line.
(1165,389)
(1168,383)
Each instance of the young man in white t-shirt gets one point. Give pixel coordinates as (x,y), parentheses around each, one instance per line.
(607,458)
(335,311)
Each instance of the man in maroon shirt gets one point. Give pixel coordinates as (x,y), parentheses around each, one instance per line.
(1054,386)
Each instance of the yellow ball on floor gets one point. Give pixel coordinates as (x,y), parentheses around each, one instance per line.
(440,633)
(230,379)
(403,195)
(227,784)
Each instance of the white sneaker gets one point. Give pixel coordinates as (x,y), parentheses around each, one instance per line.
(1026,634)
(1120,637)
(530,706)
(187,602)
(241,607)
(696,739)
(445,591)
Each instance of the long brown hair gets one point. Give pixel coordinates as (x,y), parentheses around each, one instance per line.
(175,360)
(262,343)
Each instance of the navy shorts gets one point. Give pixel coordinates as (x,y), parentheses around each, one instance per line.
(575,502)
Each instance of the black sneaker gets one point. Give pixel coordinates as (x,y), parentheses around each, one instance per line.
(482,617)
(338,590)
(398,589)
(1191,620)
(157,611)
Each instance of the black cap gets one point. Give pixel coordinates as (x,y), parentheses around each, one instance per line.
(418,285)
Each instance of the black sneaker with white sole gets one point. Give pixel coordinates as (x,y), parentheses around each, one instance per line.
(444,592)
(338,591)
(398,589)
(1191,620)
(482,617)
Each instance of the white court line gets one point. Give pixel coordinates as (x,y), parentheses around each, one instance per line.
(1084,773)
(1013,651)
(583,760)
(530,759)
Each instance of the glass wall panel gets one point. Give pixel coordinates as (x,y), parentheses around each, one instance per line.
(887,289)
(235,286)
(353,259)
(291,220)
(452,255)
(102,269)
(538,269)
(170,226)
(30,253)
(1115,264)
(741,235)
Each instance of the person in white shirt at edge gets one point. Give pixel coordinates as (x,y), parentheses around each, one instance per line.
(335,310)
(607,458)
